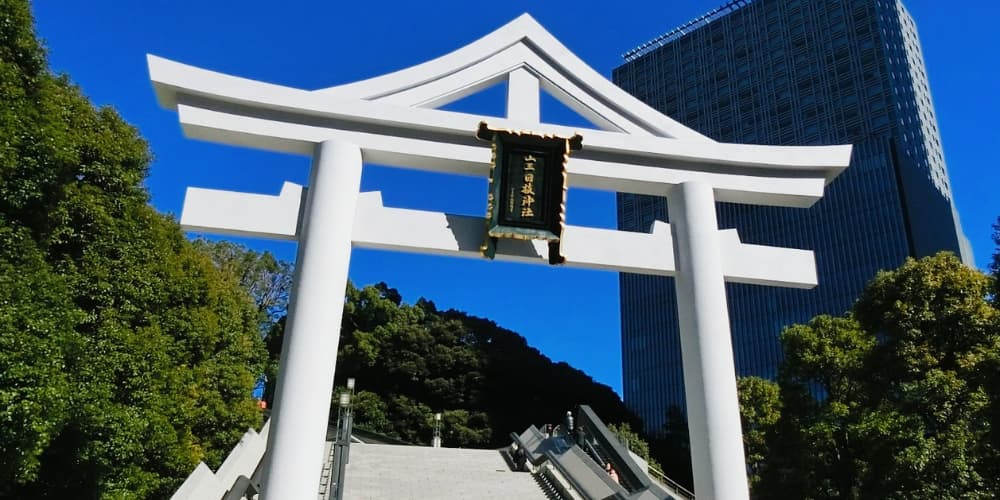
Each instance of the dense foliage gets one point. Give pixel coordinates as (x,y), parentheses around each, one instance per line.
(267,279)
(411,361)
(995,264)
(126,356)
(760,403)
(897,399)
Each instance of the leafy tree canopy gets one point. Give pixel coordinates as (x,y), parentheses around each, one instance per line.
(126,356)
(267,279)
(897,399)
(760,408)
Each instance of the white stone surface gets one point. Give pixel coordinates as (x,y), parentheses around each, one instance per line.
(243,214)
(386,228)
(312,332)
(204,484)
(234,110)
(739,186)
(379,472)
(523,96)
(706,346)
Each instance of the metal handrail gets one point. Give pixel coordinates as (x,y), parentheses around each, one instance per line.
(598,456)
(628,471)
(675,487)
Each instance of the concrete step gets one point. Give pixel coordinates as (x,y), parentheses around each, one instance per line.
(377,472)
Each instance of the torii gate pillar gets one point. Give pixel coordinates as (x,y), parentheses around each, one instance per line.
(706,345)
(302,398)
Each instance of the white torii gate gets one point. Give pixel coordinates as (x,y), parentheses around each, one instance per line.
(391,119)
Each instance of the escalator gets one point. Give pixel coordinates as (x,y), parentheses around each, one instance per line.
(575,461)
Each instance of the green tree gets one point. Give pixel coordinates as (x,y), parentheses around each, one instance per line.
(37,325)
(897,399)
(928,379)
(267,279)
(995,264)
(268,283)
(991,379)
(463,426)
(816,455)
(127,357)
(371,413)
(760,407)
(635,443)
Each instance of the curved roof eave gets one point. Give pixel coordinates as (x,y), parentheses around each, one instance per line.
(522,30)
(175,81)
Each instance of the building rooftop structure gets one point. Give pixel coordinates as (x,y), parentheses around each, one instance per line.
(684,29)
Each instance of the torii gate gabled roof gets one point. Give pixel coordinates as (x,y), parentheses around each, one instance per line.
(522,43)
(392,118)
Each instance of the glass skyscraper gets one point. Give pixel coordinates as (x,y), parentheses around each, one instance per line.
(791,72)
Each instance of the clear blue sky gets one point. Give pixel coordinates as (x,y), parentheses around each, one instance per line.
(102,45)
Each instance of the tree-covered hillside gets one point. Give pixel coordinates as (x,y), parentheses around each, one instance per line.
(411,361)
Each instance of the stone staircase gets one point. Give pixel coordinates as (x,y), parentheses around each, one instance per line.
(377,472)
(326,477)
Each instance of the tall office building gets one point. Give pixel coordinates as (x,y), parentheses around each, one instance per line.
(791,72)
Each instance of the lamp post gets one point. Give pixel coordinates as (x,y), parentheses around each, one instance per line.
(342,445)
(436,441)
